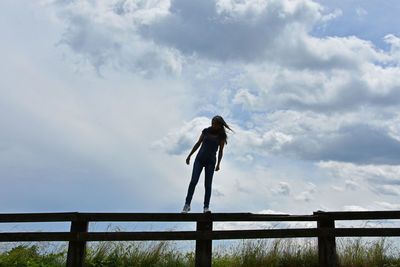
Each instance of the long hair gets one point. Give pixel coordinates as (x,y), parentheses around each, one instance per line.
(218,119)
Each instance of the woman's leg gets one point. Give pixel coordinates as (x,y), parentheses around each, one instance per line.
(197,168)
(209,172)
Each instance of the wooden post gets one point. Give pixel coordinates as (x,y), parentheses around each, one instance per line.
(326,241)
(77,249)
(204,247)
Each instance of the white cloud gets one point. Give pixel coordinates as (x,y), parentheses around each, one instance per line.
(351,185)
(231,30)
(307,136)
(331,16)
(271,212)
(386,205)
(308,194)
(354,208)
(184,138)
(394,42)
(105,35)
(245,98)
(283,188)
(361,12)
(293,98)
(380,179)
(383,173)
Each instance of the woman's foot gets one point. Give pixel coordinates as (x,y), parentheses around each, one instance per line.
(186,208)
(206,210)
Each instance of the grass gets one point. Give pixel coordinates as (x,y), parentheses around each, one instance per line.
(31,255)
(275,253)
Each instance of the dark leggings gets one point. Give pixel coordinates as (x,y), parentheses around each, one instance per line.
(209,171)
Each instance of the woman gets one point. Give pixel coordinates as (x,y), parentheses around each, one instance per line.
(210,139)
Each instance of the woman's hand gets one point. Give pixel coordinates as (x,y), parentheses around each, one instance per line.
(217,168)
(188,160)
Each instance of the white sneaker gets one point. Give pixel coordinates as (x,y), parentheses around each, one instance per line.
(186,208)
(205,210)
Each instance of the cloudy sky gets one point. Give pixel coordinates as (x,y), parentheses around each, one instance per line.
(101,101)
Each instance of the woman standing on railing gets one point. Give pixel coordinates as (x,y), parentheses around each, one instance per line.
(210,139)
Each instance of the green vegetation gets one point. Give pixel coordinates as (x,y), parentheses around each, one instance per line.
(281,252)
(24,255)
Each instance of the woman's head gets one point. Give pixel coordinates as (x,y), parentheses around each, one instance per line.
(219,124)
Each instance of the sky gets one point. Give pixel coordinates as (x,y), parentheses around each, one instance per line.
(101,102)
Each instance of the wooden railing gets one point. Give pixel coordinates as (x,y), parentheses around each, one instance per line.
(204,234)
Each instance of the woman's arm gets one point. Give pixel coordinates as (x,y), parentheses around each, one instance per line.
(220,154)
(195,147)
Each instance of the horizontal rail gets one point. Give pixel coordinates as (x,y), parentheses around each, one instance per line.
(360,215)
(42,236)
(79,235)
(199,235)
(192,217)
(149,217)
(357,232)
(38,217)
(175,235)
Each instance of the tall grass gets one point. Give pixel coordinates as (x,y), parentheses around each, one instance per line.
(275,253)
(279,252)
(366,253)
(161,254)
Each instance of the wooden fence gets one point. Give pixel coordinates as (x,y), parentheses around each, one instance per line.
(204,234)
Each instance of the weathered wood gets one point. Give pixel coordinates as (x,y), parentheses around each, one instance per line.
(204,246)
(77,249)
(250,217)
(38,217)
(142,217)
(155,235)
(353,232)
(150,217)
(42,236)
(203,235)
(191,217)
(265,233)
(326,242)
(194,217)
(361,215)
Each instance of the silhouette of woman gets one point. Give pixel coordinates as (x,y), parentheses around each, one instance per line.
(210,139)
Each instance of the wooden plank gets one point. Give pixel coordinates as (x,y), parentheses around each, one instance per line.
(360,215)
(326,242)
(176,217)
(153,217)
(249,217)
(38,217)
(175,235)
(267,233)
(77,249)
(193,217)
(201,235)
(141,236)
(142,217)
(43,236)
(353,232)
(203,246)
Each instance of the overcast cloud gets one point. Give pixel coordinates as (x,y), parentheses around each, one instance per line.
(103,100)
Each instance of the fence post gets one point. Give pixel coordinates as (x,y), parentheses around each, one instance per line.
(327,241)
(204,247)
(77,249)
